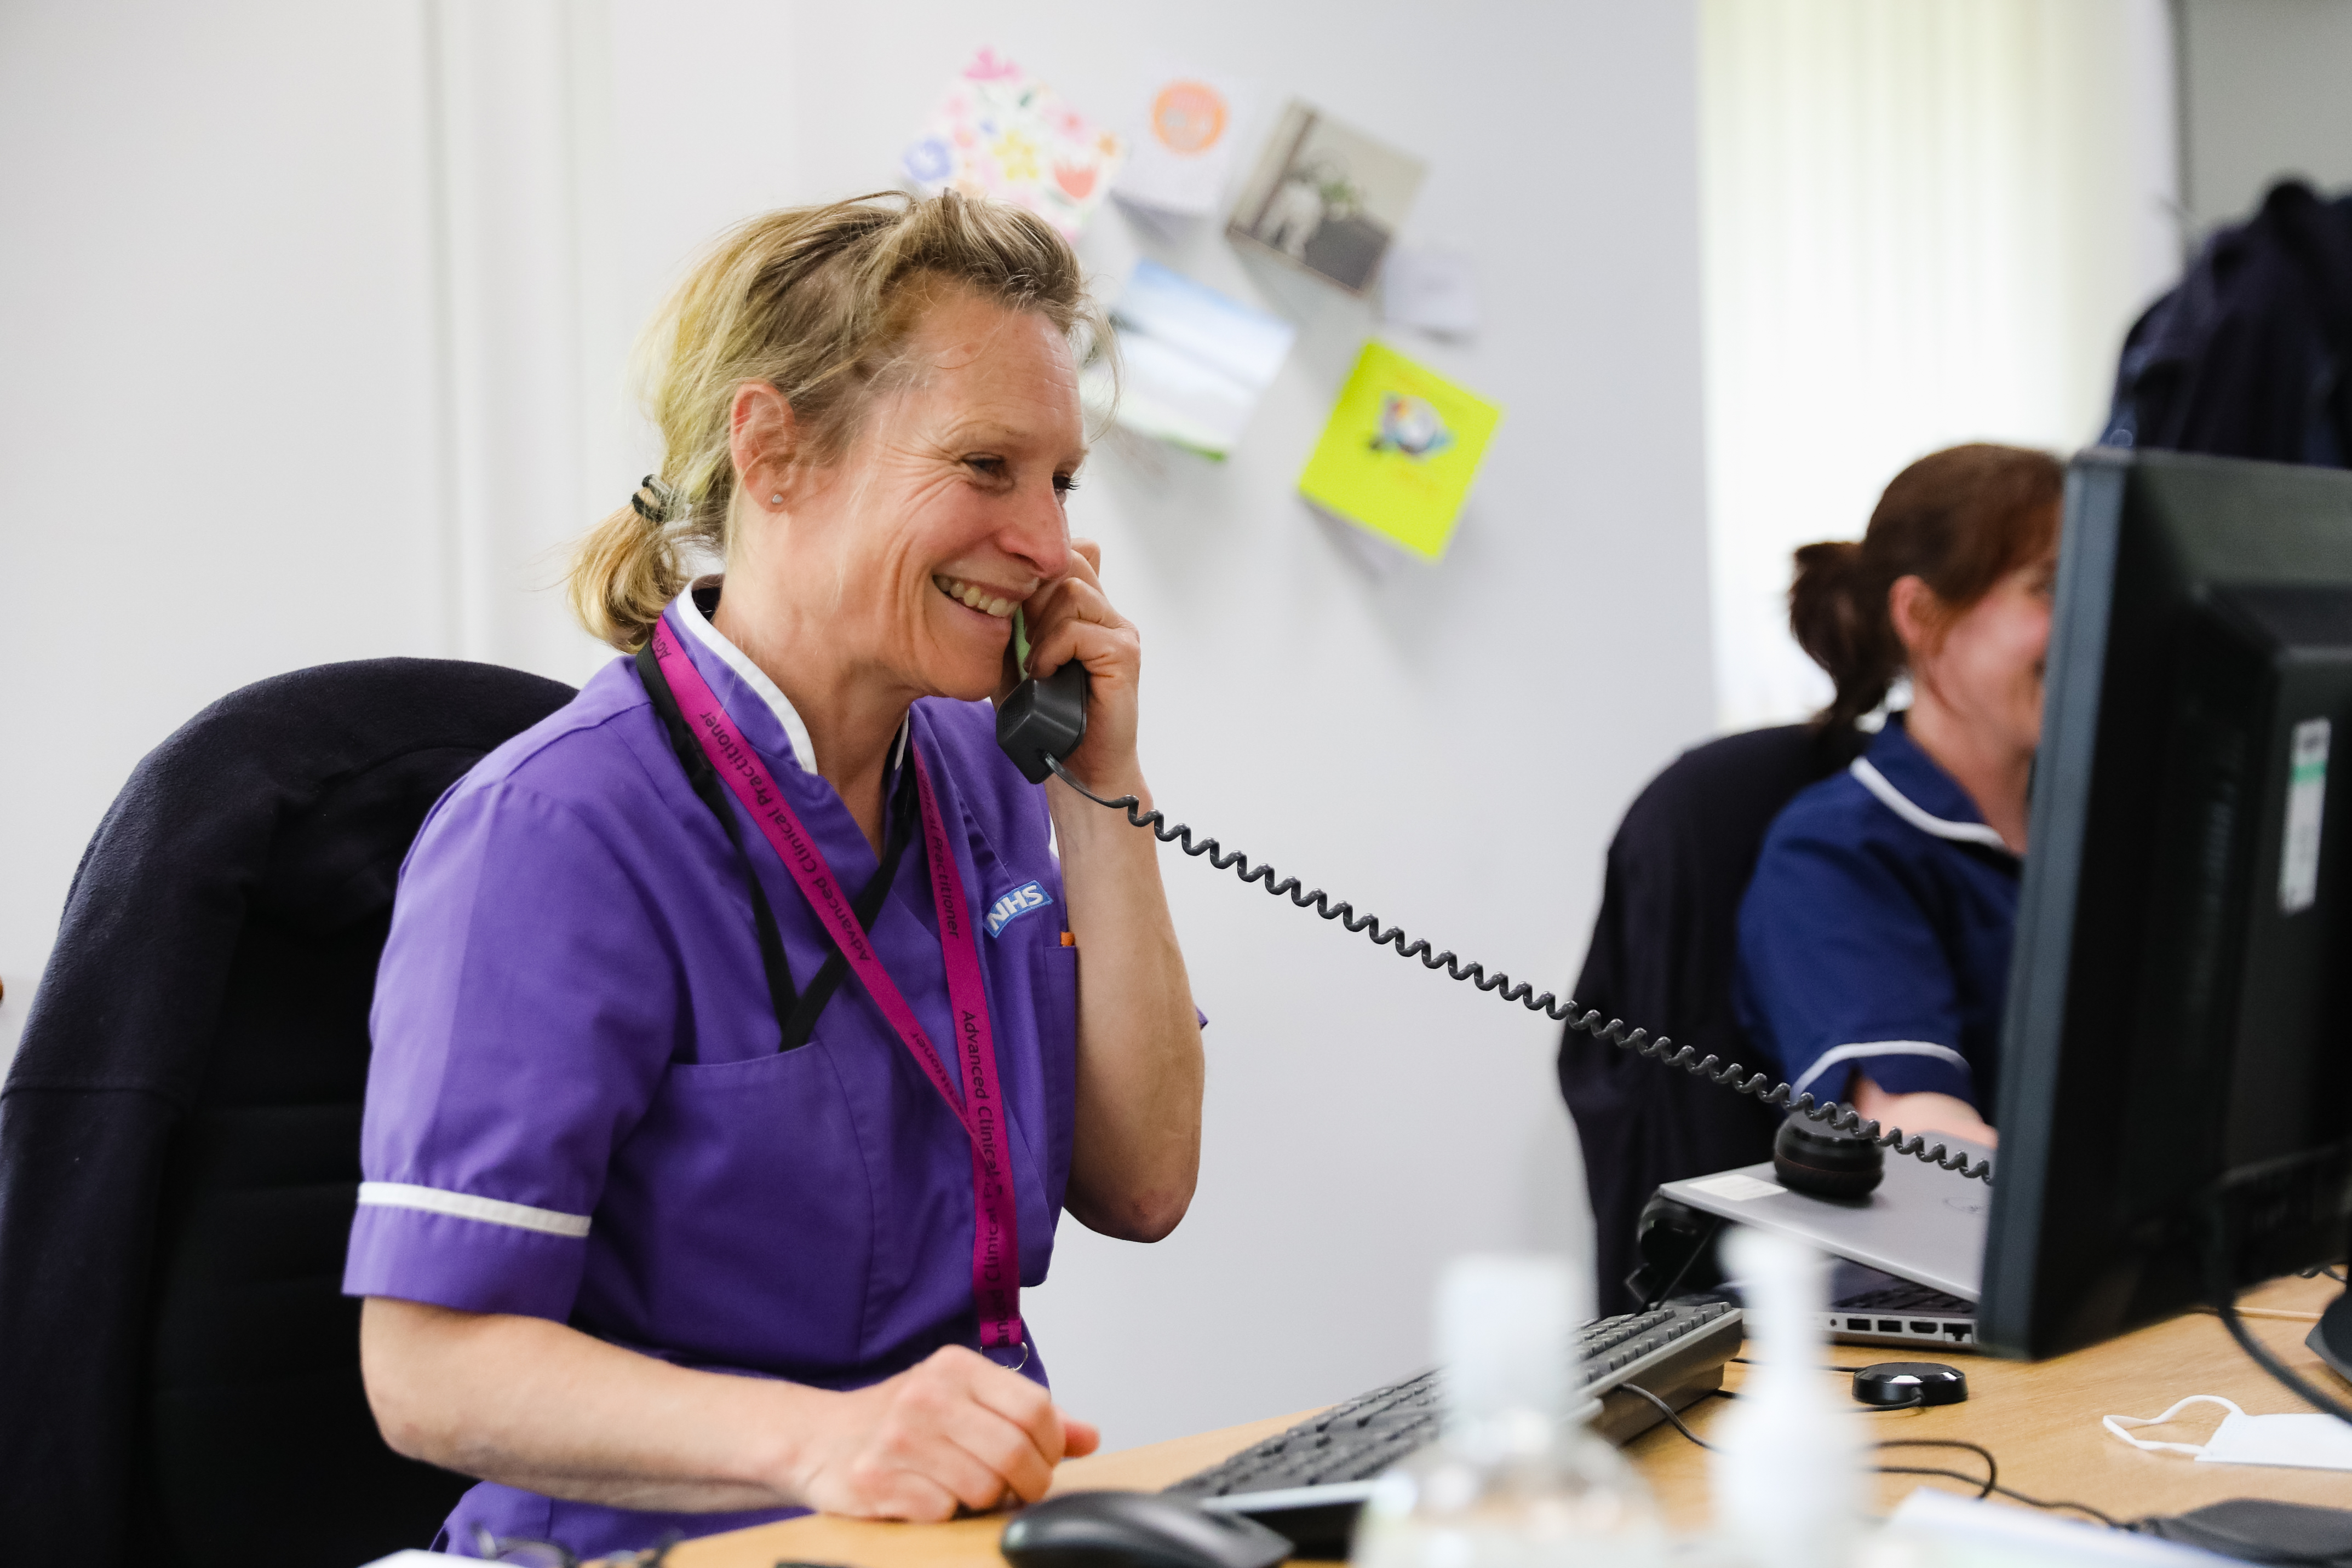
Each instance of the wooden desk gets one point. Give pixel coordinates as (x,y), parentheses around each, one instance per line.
(2041,1420)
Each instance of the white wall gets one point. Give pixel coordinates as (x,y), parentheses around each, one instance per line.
(2263,97)
(1449,745)
(217,418)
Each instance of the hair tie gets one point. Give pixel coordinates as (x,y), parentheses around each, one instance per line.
(665,500)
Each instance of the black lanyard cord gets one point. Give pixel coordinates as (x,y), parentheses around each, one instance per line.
(796,1013)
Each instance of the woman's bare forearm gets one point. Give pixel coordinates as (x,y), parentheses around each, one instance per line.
(535,1405)
(1136,1150)
(1922,1113)
(538,1405)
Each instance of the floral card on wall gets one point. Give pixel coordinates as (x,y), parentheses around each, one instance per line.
(1001,132)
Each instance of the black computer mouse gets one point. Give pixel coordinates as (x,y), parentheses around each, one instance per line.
(1814,1158)
(1896,1382)
(1135,1529)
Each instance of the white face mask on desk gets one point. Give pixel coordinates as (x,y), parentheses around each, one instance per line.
(2307,1442)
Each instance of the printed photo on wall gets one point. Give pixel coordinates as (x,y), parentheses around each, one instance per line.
(1326,197)
(1192,363)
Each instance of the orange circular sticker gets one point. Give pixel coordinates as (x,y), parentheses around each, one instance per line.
(1188,117)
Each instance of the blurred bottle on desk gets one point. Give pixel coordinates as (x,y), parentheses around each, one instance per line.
(1787,1471)
(1515,1482)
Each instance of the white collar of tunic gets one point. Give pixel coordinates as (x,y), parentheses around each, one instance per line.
(1919,817)
(796,733)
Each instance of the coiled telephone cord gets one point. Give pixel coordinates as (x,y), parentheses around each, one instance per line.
(1660,1049)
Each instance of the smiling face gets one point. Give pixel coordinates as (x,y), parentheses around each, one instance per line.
(1986,665)
(947,509)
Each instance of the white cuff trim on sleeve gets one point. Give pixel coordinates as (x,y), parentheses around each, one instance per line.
(1831,1057)
(465,1205)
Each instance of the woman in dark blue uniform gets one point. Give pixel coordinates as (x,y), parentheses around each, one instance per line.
(1875,938)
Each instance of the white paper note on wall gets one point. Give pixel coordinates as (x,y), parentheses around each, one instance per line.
(1183,151)
(1435,290)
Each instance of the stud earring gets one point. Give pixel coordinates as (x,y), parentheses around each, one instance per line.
(777,499)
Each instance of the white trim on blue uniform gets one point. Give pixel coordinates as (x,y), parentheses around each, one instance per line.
(1901,805)
(466,1205)
(795,732)
(1836,1054)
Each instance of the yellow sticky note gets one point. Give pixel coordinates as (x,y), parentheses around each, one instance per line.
(1399,452)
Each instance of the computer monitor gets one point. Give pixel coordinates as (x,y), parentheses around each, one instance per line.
(2177,1048)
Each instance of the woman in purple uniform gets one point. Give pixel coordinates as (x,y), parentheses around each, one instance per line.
(731,1063)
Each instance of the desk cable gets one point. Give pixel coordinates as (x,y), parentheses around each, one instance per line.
(1985,1486)
(2222,1292)
(2225,1304)
(1729,1076)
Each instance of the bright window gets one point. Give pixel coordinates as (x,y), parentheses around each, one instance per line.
(1925,221)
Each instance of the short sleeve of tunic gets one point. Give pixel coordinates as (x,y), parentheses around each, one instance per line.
(524,1016)
(1842,967)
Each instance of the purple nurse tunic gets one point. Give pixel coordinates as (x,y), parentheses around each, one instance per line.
(577,1109)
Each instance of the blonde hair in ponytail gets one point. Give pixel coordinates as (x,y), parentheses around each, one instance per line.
(816,302)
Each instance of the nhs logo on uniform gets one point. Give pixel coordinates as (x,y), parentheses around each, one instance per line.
(1014,905)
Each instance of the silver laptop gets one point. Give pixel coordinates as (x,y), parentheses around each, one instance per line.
(1912,1253)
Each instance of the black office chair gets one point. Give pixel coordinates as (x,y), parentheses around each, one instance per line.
(179,1135)
(1662,957)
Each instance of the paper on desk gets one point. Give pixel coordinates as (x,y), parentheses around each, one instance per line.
(1435,290)
(1192,363)
(1935,1529)
(1179,161)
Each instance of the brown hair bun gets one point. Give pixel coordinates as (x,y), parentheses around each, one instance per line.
(1959,520)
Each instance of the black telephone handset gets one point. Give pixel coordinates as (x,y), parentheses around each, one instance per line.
(1044,718)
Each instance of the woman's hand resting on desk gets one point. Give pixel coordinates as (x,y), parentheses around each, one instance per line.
(1927,1113)
(953,1429)
(540,1405)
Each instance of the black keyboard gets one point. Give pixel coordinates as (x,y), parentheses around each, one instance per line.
(1308,1481)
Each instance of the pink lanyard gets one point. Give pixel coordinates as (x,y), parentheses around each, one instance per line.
(996,1232)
